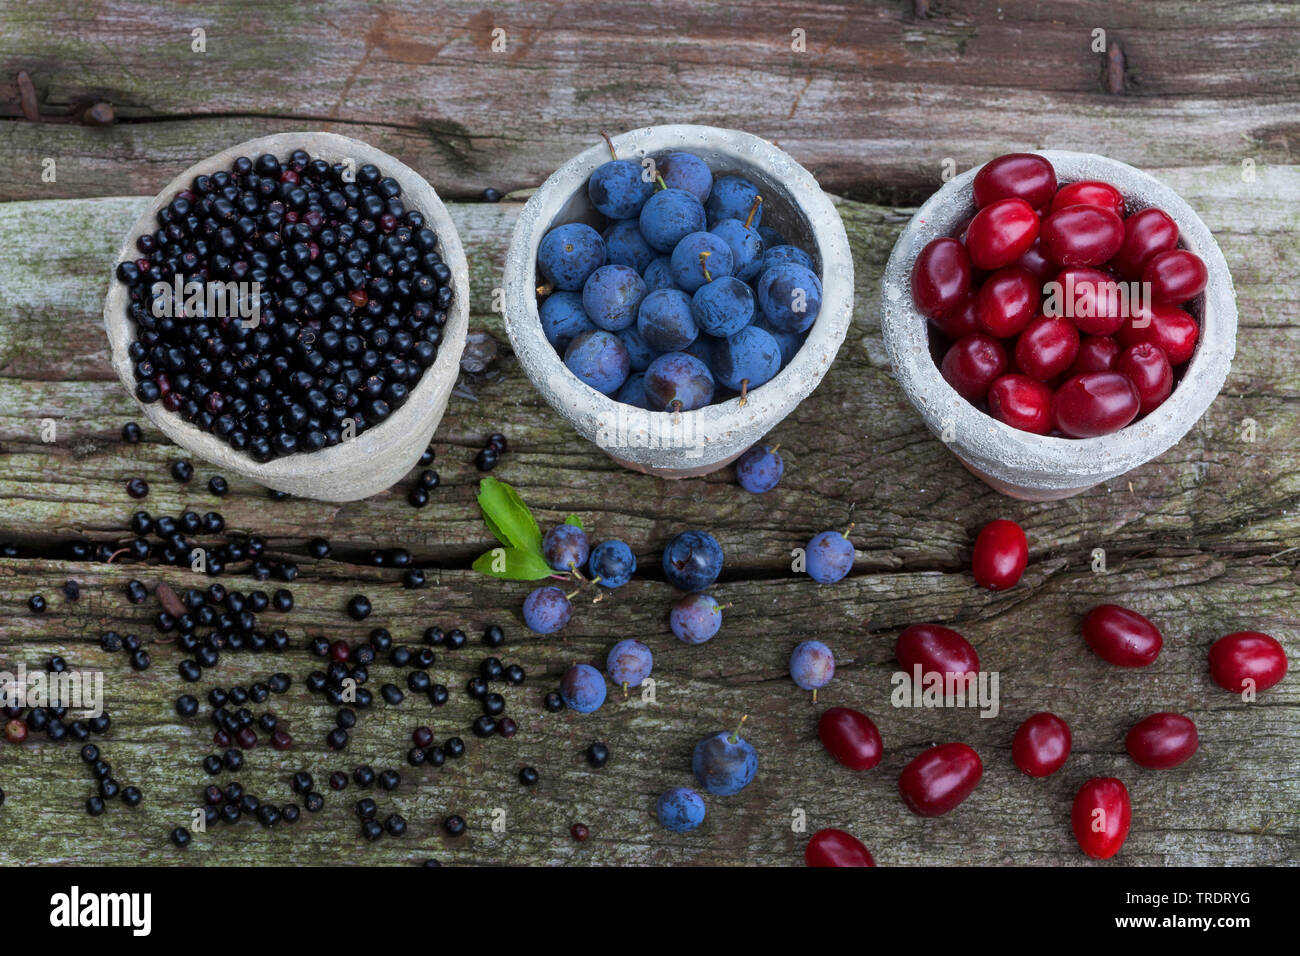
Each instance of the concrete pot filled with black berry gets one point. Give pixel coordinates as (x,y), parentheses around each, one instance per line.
(294,309)
(674,293)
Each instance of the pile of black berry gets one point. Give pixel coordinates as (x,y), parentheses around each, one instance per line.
(352,299)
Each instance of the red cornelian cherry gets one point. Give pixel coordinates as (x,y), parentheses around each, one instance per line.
(1121,637)
(936,650)
(1161,741)
(1089,192)
(1247,660)
(1041,745)
(833,847)
(1020,402)
(1101,816)
(1082,235)
(1001,233)
(1096,403)
(851,738)
(1046,347)
(972,364)
(1166,326)
(1006,301)
(939,779)
(1145,233)
(940,277)
(1015,175)
(1176,275)
(960,320)
(1090,298)
(1148,368)
(1000,556)
(1097,353)
(1036,264)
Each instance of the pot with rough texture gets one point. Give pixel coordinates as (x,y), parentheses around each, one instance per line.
(701,441)
(1041,467)
(380,455)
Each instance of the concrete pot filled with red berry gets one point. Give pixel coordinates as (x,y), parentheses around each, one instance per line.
(676,291)
(1058,319)
(294,309)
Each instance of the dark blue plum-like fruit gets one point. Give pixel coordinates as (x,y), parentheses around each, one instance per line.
(639,352)
(746,247)
(688,172)
(812,665)
(629,663)
(732,197)
(699,258)
(829,557)
(723,307)
(625,246)
(570,253)
(565,547)
(670,215)
(612,295)
(677,382)
(665,321)
(680,809)
(583,688)
(776,255)
(724,763)
(747,359)
(599,359)
(695,618)
(659,275)
(790,296)
(760,469)
(771,237)
(618,190)
(789,342)
(692,560)
(563,317)
(546,610)
(613,563)
(633,391)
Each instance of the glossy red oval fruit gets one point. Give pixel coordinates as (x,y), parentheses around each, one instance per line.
(1001,233)
(935,649)
(1145,233)
(1247,656)
(1097,353)
(1101,816)
(1089,192)
(1041,745)
(1176,275)
(939,779)
(833,847)
(1082,235)
(1091,299)
(1037,264)
(1166,326)
(1019,401)
(1162,740)
(1006,301)
(940,276)
(851,738)
(1046,347)
(974,363)
(1015,175)
(959,321)
(1122,637)
(1000,556)
(1150,372)
(1096,403)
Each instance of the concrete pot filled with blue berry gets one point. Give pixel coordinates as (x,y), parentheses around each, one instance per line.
(674,293)
(294,309)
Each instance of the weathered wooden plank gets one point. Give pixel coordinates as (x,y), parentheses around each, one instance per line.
(873,104)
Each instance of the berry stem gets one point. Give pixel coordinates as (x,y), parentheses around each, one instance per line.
(660,181)
(772,449)
(851,526)
(744,392)
(753,211)
(610,143)
(735,734)
(705,266)
(545,289)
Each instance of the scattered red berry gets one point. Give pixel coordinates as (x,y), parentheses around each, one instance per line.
(1000,556)
(1101,816)
(836,848)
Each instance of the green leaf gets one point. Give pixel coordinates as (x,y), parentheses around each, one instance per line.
(507,517)
(513,564)
(573,520)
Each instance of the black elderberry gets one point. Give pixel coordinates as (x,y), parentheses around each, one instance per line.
(180,836)
(413,579)
(528,776)
(371,830)
(131,796)
(454,825)
(486,459)
(514,674)
(313,802)
(36,603)
(455,747)
(597,754)
(438,695)
(289,813)
(187,705)
(218,486)
(493,636)
(110,641)
(182,471)
(389,779)
(359,607)
(131,433)
(318,548)
(455,639)
(553,701)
